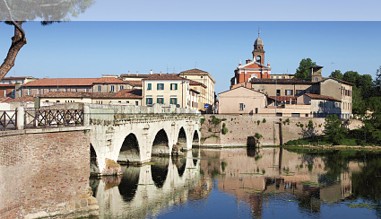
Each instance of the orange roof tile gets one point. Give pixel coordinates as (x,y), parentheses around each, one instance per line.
(194,71)
(109,80)
(53,82)
(321,97)
(123,94)
(165,77)
(196,83)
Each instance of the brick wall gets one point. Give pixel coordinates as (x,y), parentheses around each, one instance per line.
(45,174)
(240,127)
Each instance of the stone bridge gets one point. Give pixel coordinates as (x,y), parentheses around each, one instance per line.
(144,191)
(133,134)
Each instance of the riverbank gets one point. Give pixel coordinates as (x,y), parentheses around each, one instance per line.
(310,148)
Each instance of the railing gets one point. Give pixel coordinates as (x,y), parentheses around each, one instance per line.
(8,120)
(58,117)
(40,118)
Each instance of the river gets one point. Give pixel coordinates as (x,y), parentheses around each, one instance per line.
(241,183)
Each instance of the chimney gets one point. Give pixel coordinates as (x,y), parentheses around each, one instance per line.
(247,61)
(150,72)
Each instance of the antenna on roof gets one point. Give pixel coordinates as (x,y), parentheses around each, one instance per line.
(259,31)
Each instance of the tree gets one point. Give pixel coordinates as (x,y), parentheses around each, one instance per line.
(377,82)
(304,69)
(334,130)
(351,77)
(15,13)
(336,74)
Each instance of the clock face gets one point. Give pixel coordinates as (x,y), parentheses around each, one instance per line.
(258,58)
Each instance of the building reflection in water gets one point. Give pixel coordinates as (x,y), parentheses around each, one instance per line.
(255,176)
(145,191)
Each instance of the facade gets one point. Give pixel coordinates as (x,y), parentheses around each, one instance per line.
(106,84)
(255,68)
(282,76)
(123,97)
(321,105)
(201,89)
(17,80)
(7,90)
(339,90)
(167,89)
(241,100)
(207,91)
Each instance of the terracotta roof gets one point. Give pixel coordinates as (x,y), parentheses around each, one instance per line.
(165,77)
(338,80)
(135,83)
(7,85)
(321,97)
(109,80)
(21,99)
(194,71)
(282,98)
(196,83)
(136,75)
(123,94)
(195,91)
(18,77)
(54,82)
(279,81)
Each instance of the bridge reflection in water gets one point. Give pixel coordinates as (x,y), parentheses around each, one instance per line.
(269,182)
(146,190)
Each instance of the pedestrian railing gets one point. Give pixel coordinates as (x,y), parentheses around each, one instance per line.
(40,118)
(7,120)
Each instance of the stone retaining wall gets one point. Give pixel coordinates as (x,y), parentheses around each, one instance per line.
(46,174)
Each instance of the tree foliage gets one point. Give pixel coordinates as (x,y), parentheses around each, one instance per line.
(336,74)
(304,69)
(334,129)
(15,13)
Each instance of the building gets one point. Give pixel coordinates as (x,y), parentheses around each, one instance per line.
(282,76)
(122,97)
(169,89)
(17,80)
(111,84)
(253,68)
(320,105)
(241,100)
(207,91)
(201,89)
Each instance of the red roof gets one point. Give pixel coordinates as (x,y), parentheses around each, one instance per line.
(196,83)
(168,77)
(321,97)
(109,80)
(55,82)
(21,99)
(282,98)
(123,94)
(194,71)
(7,85)
(134,83)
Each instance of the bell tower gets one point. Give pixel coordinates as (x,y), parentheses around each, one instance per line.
(259,52)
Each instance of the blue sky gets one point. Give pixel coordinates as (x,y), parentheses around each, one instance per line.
(238,10)
(90,49)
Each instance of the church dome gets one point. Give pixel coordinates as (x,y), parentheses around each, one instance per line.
(258,42)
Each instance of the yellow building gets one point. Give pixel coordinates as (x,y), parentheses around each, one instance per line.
(169,89)
(205,78)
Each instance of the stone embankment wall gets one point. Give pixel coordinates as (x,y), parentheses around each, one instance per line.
(239,127)
(45,173)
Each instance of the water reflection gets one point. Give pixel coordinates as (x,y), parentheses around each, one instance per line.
(269,181)
(144,191)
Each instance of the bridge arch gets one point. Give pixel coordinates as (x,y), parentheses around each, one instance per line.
(196,138)
(159,170)
(160,145)
(180,163)
(94,167)
(129,152)
(181,142)
(129,183)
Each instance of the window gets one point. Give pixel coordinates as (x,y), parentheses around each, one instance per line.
(278,92)
(279,114)
(136,103)
(57,101)
(112,88)
(160,86)
(160,100)
(256,110)
(241,106)
(127,101)
(295,114)
(149,86)
(149,101)
(289,92)
(173,100)
(121,87)
(173,86)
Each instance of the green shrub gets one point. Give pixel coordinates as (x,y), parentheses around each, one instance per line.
(224,130)
(202,120)
(215,120)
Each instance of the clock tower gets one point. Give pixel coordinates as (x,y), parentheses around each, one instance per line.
(259,52)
